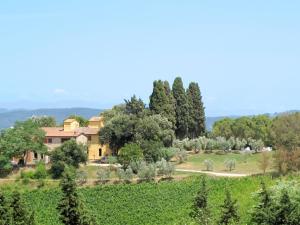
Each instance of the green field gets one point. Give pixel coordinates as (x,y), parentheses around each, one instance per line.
(147,203)
(248,164)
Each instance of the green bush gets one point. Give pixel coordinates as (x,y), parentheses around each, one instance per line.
(165,168)
(147,172)
(30,174)
(5,166)
(40,171)
(209,165)
(103,175)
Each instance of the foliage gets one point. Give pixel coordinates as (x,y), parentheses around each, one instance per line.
(165,168)
(130,153)
(70,207)
(125,174)
(20,213)
(265,161)
(168,153)
(44,121)
(23,138)
(146,172)
(229,213)
(152,150)
(112,160)
(162,101)
(200,209)
(181,108)
(255,127)
(230,164)
(69,153)
(181,156)
(81,177)
(5,217)
(196,126)
(103,174)
(209,165)
(40,171)
(5,166)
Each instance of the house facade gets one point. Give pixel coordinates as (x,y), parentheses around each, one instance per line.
(89,136)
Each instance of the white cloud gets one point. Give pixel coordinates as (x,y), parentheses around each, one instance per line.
(59,91)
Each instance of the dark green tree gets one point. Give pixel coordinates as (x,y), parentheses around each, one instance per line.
(130,153)
(181,109)
(200,211)
(20,214)
(262,213)
(196,111)
(5,217)
(23,138)
(134,106)
(283,210)
(162,101)
(229,213)
(68,154)
(72,210)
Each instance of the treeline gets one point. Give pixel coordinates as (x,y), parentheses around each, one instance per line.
(172,113)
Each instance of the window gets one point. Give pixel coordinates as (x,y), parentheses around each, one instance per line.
(100,151)
(49,140)
(35,156)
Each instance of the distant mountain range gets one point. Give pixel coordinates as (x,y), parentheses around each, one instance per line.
(9,117)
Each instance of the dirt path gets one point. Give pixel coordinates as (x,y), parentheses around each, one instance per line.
(214,173)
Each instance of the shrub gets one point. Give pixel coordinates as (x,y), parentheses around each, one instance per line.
(147,172)
(209,165)
(40,171)
(168,153)
(103,175)
(130,153)
(165,168)
(5,166)
(125,174)
(112,159)
(81,177)
(230,164)
(181,156)
(27,174)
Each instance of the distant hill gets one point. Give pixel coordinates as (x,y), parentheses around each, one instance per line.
(8,117)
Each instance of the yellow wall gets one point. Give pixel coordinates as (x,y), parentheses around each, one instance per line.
(70,125)
(94,146)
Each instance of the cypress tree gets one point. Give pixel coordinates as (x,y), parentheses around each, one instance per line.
(161,101)
(70,207)
(196,111)
(181,108)
(229,210)
(200,211)
(20,214)
(283,210)
(4,211)
(262,213)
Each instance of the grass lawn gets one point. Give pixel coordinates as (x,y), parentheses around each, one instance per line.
(248,164)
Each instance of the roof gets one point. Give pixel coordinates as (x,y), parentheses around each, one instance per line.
(96,119)
(59,131)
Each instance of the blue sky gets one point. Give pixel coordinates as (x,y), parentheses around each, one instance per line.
(244,54)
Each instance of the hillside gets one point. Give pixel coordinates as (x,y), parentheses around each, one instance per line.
(8,117)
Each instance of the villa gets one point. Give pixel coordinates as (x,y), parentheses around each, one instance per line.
(89,136)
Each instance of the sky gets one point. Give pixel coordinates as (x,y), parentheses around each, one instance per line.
(245,55)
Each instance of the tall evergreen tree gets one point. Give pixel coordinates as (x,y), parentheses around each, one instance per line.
(162,101)
(20,214)
(181,108)
(229,210)
(283,210)
(4,211)
(262,214)
(196,111)
(200,211)
(134,106)
(70,207)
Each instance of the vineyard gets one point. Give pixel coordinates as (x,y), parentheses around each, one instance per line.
(147,203)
